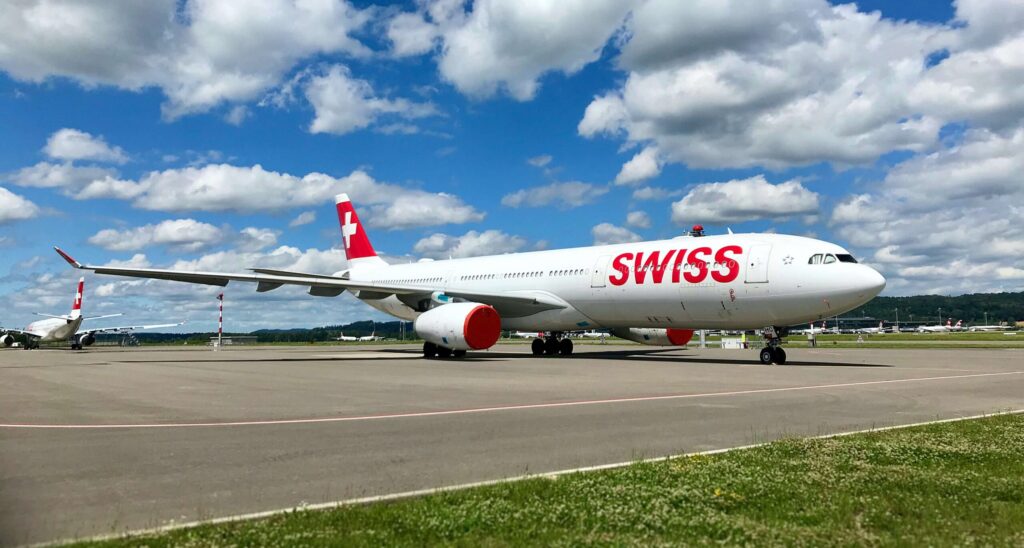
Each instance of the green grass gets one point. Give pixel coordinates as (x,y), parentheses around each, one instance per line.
(946,484)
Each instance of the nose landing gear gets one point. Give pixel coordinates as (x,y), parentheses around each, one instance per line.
(772,352)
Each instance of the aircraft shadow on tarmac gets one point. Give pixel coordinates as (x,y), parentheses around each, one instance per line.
(645,355)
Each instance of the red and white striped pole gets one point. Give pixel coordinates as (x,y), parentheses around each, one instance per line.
(220,321)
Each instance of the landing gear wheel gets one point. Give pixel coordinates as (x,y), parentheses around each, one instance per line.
(767,356)
(443,352)
(429,350)
(551,346)
(75,347)
(779,355)
(537,347)
(565,347)
(459,354)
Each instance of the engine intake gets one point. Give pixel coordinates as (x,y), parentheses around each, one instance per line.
(6,339)
(460,326)
(655,336)
(86,340)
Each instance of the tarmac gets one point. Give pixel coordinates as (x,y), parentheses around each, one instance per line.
(109,440)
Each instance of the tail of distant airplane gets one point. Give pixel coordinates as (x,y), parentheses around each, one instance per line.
(358,249)
(76,308)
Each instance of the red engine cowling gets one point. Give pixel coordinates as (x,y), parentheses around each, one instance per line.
(6,339)
(655,336)
(460,326)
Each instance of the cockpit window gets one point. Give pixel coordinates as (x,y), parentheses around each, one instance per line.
(846,258)
(815,259)
(830,258)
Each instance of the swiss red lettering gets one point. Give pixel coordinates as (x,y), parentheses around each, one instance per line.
(731,265)
(726,265)
(657,269)
(677,267)
(622,271)
(698,264)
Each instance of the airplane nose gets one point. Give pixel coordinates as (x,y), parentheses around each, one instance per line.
(871,282)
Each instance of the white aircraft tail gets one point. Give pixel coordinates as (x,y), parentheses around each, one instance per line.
(76,308)
(358,250)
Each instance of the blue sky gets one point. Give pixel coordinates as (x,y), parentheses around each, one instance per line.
(892,128)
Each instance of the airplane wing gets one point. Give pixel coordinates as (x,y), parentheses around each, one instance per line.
(103,316)
(65,317)
(127,328)
(508,304)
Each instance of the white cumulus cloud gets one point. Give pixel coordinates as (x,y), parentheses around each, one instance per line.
(72,144)
(470,244)
(643,166)
(563,195)
(178,234)
(744,200)
(344,104)
(508,46)
(15,208)
(607,234)
(224,187)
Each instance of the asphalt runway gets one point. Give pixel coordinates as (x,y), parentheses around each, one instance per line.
(104,441)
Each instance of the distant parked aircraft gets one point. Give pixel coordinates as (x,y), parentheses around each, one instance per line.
(66,328)
(942,328)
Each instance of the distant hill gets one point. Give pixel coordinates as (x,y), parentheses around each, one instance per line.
(1008,307)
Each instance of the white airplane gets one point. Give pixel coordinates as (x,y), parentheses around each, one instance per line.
(872,330)
(977,328)
(942,328)
(666,288)
(371,337)
(526,334)
(342,337)
(66,328)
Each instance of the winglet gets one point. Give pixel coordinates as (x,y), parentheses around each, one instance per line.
(67,258)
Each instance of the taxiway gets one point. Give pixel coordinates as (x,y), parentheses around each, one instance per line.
(109,440)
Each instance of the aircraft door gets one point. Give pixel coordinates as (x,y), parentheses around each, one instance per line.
(757,263)
(599,274)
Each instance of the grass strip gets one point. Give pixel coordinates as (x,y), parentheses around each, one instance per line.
(955,483)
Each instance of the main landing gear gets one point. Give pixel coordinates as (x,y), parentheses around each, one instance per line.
(772,352)
(552,345)
(431,350)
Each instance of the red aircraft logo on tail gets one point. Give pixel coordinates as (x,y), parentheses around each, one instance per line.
(357,245)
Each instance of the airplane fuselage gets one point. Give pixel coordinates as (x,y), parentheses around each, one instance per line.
(735,281)
(54,329)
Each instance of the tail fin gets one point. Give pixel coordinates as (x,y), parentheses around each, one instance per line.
(76,308)
(358,249)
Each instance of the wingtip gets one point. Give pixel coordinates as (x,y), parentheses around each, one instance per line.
(67,257)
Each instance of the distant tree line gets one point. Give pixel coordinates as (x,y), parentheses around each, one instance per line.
(1000,307)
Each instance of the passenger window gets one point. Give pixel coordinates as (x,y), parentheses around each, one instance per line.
(815,259)
(830,258)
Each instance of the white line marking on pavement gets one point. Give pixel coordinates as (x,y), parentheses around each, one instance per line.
(462,486)
(520,407)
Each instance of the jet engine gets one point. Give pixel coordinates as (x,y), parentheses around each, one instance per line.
(86,339)
(460,326)
(655,336)
(6,339)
